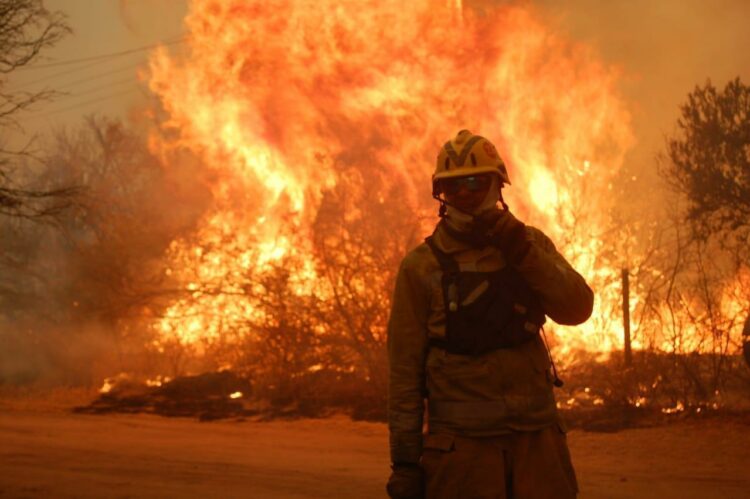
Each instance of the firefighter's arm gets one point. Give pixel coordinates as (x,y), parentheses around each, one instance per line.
(566,297)
(407,346)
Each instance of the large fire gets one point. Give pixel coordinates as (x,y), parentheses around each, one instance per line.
(287,100)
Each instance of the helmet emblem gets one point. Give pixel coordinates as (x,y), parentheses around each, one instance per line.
(489,149)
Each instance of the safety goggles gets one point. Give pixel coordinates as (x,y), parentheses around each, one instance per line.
(472,184)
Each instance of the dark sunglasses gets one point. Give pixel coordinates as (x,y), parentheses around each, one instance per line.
(471,184)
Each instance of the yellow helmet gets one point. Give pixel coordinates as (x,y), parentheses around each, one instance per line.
(468,154)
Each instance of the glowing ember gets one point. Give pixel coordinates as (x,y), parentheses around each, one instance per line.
(111,382)
(157,381)
(235,395)
(679,407)
(107,386)
(639,401)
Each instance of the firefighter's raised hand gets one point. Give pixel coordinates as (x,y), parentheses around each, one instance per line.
(506,232)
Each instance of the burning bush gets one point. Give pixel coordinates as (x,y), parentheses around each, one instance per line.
(320,181)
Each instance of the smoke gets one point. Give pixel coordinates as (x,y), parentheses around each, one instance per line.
(74,294)
(664,49)
(58,356)
(138,15)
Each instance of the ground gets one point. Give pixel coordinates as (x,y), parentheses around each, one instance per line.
(51,452)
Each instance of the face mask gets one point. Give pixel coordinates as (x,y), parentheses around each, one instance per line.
(462,221)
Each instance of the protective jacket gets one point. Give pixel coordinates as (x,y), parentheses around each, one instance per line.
(477,395)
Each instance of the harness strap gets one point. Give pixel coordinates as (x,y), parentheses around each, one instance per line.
(450,269)
(460,236)
(447,264)
(506,316)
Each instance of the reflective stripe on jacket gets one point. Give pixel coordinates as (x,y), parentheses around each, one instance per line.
(491,394)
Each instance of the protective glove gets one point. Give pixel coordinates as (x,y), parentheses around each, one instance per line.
(504,231)
(406,482)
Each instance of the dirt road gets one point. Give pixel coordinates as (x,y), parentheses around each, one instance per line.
(58,454)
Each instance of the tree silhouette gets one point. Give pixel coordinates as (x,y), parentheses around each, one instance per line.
(709,158)
(26,29)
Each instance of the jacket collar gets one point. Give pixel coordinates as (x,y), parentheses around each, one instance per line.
(449,243)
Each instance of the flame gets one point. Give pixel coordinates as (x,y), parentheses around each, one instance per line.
(285,100)
(157,381)
(107,386)
(679,407)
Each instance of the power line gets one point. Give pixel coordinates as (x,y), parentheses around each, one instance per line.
(90,62)
(87,93)
(46,114)
(93,87)
(81,68)
(74,70)
(98,88)
(99,76)
(99,58)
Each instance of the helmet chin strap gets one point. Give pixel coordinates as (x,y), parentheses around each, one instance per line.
(454,229)
(444,204)
(502,201)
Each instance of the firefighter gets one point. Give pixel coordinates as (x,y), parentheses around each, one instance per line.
(464,341)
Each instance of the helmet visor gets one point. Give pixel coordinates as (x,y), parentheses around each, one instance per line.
(474,183)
